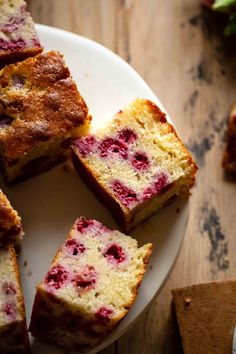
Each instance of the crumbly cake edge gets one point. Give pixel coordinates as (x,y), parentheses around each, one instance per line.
(12,252)
(121,213)
(41,291)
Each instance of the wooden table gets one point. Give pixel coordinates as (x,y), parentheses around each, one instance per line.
(177,49)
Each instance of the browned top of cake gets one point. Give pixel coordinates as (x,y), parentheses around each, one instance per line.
(229,160)
(206,315)
(38,100)
(8,216)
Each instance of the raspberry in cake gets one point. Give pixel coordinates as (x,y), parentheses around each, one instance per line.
(136,164)
(92,283)
(18,38)
(13,332)
(10,222)
(206,315)
(229,160)
(40,111)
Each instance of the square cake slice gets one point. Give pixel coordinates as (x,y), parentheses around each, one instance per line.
(40,111)
(13,332)
(136,164)
(229,160)
(92,283)
(206,315)
(18,38)
(10,222)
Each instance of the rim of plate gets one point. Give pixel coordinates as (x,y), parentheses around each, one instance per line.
(109,53)
(115,335)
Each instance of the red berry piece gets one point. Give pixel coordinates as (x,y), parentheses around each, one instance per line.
(15,44)
(74,248)
(104,314)
(18,81)
(140,161)
(126,195)
(86,279)
(86,145)
(115,253)
(83,224)
(161,184)
(10,310)
(57,277)
(148,193)
(110,145)
(9,288)
(13,24)
(128,136)
(161,181)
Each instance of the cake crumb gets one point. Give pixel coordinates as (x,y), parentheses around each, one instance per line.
(25,263)
(187,300)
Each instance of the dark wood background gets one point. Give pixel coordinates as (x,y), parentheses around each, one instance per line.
(178,49)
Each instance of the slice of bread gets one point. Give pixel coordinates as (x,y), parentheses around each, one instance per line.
(136,164)
(40,111)
(18,38)
(13,331)
(92,283)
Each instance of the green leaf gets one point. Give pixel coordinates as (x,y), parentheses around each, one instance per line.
(224,5)
(231,26)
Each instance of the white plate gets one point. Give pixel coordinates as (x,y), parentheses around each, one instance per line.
(50,203)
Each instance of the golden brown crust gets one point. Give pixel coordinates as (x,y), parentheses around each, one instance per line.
(42,101)
(10,222)
(25,338)
(229,158)
(206,316)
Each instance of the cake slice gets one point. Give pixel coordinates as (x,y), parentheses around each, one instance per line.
(136,164)
(206,315)
(229,160)
(18,38)
(92,283)
(13,333)
(10,222)
(40,110)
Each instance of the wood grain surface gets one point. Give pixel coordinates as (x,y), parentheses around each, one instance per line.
(178,49)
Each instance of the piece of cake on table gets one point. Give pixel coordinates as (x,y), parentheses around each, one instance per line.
(10,222)
(40,111)
(206,315)
(136,164)
(229,160)
(13,332)
(92,283)
(18,38)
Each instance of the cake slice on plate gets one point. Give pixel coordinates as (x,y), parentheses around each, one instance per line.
(136,164)
(40,111)
(92,283)
(13,333)
(229,160)
(206,315)
(10,222)
(18,38)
